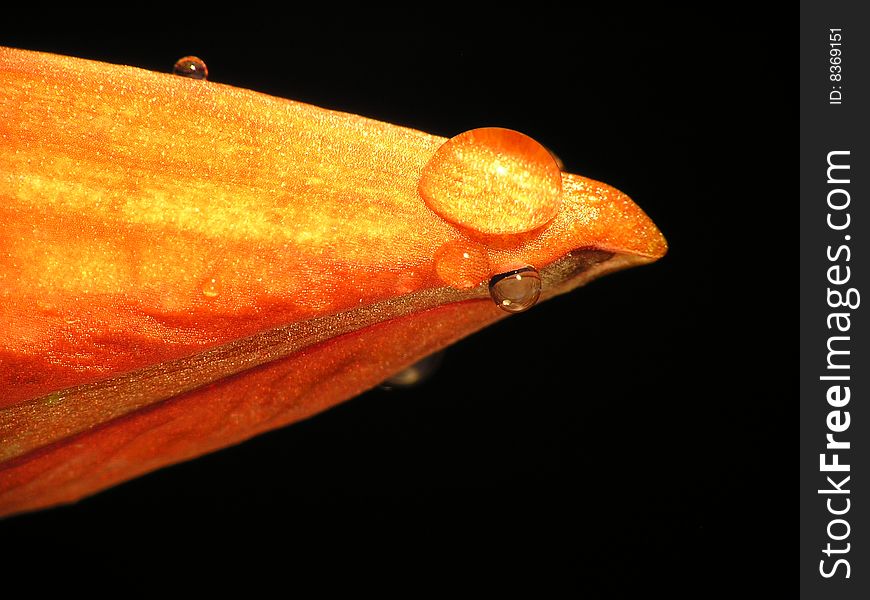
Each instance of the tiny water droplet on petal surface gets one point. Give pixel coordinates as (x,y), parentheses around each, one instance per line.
(192,67)
(516,291)
(461,264)
(52,398)
(493,181)
(212,287)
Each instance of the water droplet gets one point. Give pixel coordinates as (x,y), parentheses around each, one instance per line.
(212,287)
(52,399)
(417,373)
(493,181)
(461,264)
(192,67)
(516,291)
(408,281)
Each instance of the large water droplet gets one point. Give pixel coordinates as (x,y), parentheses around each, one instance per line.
(516,291)
(461,264)
(192,67)
(493,181)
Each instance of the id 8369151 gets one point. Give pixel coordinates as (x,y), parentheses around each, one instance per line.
(835,65)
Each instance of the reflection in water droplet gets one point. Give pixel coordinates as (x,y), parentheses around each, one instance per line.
(417,373)
(212,287)
(559,162)
(516,291)
(493,181)
(192,67)
(461,264)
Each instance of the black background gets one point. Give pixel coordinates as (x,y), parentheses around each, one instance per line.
(628,433)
